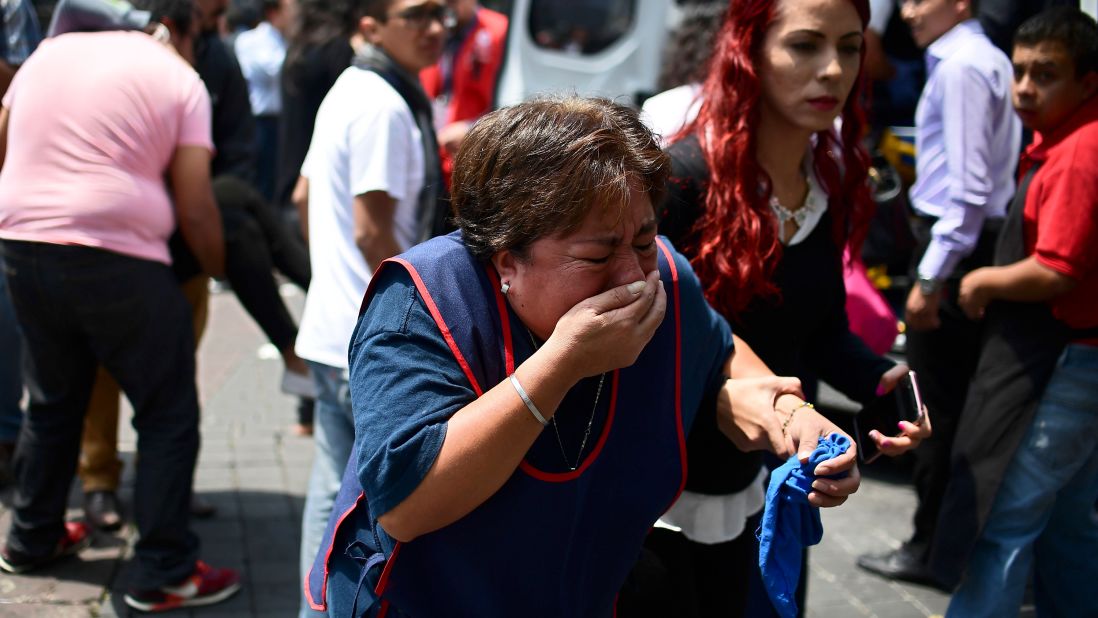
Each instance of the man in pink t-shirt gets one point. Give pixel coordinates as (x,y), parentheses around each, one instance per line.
(96,122)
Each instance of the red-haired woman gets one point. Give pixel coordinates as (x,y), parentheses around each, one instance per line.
(765,194)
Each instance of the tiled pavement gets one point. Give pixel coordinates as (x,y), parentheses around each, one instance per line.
(255,471)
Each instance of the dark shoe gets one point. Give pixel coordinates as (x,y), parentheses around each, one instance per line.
(101,510)
(905,564)
(200,509)
(77,537)
(205,586)
(7,474)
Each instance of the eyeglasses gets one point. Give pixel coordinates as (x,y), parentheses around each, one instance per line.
(420,17)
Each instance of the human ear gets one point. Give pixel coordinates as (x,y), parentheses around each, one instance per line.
(506,264)
(369,27)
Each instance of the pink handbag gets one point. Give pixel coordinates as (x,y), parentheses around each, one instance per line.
(870,316)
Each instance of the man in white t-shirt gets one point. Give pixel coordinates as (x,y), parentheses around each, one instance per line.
(366,169)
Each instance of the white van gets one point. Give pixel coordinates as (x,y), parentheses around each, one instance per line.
(610,48)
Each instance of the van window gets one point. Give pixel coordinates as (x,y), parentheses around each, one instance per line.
(580,27)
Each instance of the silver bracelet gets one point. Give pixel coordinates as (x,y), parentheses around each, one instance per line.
(529,402)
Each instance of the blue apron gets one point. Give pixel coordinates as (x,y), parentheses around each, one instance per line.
(546,544)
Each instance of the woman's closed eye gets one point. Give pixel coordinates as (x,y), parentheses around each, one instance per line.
(596,260)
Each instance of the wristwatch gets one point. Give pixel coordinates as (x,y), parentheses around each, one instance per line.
(929,285)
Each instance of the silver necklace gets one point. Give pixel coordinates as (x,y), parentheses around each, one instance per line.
(590,419)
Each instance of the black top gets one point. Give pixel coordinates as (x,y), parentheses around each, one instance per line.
(803,332)
(306,79)
(233,124)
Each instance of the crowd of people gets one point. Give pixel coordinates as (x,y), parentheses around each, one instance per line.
(557,359)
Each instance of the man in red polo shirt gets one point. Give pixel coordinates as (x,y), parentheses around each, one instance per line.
(1044,506)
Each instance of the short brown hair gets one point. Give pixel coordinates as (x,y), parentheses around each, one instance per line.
(537,169)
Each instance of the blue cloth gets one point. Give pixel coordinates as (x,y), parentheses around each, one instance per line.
(790,523)
(1043,515)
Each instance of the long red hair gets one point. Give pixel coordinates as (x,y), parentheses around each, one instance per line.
(737,244)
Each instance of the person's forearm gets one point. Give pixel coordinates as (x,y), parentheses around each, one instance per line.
(1026,281)
(197,215)
(485,442)
(7,72)
(744,363)
(300,198)
(4,117)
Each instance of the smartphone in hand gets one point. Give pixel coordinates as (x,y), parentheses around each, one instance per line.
(884,414)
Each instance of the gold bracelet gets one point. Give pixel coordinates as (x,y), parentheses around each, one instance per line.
(789,419)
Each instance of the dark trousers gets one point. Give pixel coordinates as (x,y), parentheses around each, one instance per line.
(945,361)
(11,381)
(256,242)
(679,577)
(79,307)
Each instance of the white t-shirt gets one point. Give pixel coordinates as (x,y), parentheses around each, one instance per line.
(365,140)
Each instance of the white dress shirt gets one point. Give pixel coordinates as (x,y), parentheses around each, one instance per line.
(967,142)
(260,52)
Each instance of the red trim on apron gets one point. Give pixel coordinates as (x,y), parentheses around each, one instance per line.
(323,605)
(384,581)
(563,477)
(678,362)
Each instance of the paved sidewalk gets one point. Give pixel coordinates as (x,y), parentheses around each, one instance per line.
(255,471)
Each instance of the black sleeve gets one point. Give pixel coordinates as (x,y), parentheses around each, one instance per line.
(841,358)
(233,125)
(685,193)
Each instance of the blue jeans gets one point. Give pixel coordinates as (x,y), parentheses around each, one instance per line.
(11,381)
(334,433)
(1045,507)
(79,308)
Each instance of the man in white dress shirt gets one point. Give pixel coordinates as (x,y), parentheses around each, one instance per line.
(260,52)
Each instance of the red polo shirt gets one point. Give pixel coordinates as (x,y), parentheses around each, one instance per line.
(1061,212)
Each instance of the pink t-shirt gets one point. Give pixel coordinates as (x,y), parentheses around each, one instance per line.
(95,119)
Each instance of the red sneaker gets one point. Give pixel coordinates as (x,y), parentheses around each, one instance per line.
(205,586)
(76,538)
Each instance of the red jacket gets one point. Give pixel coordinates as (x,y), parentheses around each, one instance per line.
(475,68)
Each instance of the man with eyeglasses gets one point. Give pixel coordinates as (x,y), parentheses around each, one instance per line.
(374,181)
